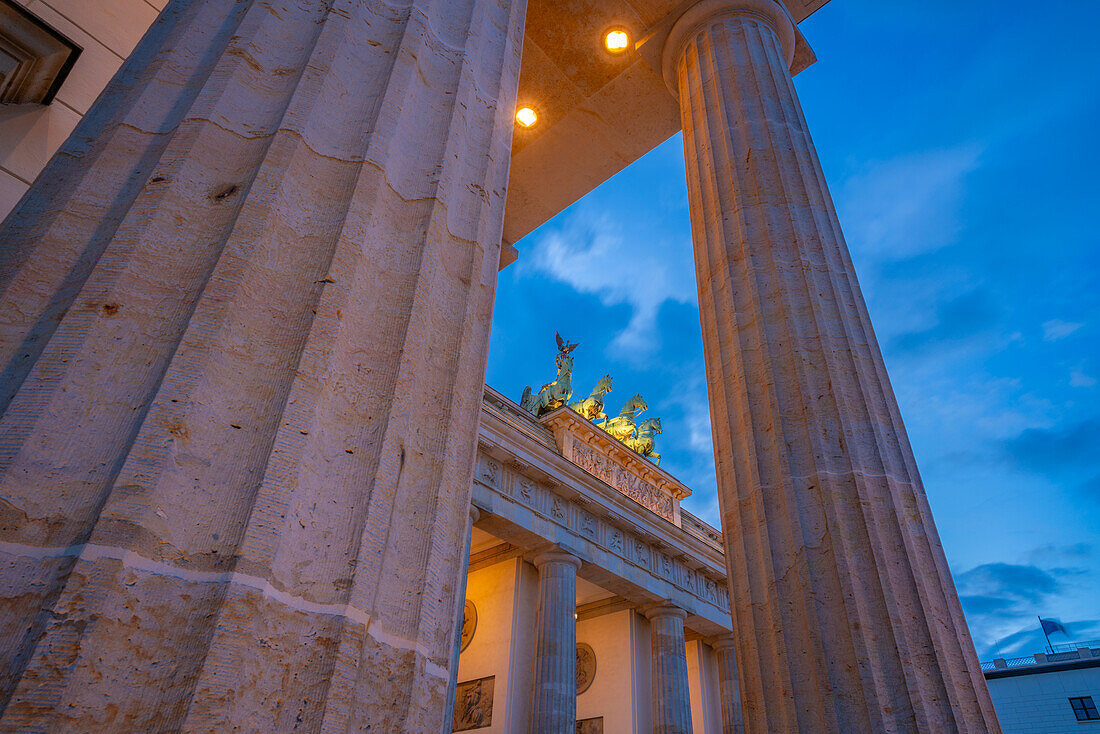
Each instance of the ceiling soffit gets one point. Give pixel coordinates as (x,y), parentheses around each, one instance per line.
(598,112)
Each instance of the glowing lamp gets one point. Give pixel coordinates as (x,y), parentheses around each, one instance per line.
(526,116)
(616,41)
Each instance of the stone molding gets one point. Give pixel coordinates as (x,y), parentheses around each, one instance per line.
(694,526)
(539,498)
(708,11)
(599,454)
(35,58)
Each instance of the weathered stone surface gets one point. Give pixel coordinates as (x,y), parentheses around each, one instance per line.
(671,698)
(845,613)
(244,324)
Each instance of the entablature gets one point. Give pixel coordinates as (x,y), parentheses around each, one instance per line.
(533,497)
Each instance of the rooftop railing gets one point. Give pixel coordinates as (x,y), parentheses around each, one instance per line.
(1075,646)
(1063,653)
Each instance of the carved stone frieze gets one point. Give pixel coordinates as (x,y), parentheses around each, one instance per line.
(541,499)
(612,462)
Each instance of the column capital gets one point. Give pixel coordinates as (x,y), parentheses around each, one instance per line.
(556,556)
(666,609)
(725,642)
(705,11)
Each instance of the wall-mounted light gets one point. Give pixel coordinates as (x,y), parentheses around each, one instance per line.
(526,116)
(616,40)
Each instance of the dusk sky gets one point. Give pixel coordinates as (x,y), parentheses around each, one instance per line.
(960,144)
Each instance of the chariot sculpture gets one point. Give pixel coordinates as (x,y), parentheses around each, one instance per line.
(552,395)
(623,427)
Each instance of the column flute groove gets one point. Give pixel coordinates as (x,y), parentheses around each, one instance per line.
(818,487)
(760,68)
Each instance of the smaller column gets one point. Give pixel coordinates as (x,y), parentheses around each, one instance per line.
(554,710)
(727,685)
(671,699)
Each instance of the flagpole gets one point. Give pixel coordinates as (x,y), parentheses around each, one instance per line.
(1044,629)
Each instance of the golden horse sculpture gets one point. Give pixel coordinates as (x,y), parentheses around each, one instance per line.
(592,406)
(553,395)
(645,440)
(622,426)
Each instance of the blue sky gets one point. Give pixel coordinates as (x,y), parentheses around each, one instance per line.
(960,144)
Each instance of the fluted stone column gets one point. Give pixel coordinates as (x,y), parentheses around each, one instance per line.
(244,322)
(846,616)
(671,697)
(554,705)
(727,684)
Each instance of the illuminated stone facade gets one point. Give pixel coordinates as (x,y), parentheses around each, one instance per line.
(245,459)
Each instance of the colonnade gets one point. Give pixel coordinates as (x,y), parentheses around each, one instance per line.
(554,709)
(232,414)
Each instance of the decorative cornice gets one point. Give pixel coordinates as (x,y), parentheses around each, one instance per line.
(707,11)
(630,546)
(605,458)
(504,452)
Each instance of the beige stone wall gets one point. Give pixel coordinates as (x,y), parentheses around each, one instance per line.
(706,714)
(610,694)
(502,646)
(106,30)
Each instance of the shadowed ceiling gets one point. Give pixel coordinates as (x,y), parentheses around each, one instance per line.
(598,112)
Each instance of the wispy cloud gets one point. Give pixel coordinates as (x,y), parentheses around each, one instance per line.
(688,427)
(1003,600)
(1055,449)
(596,255)
(1056,329)
(1079,378)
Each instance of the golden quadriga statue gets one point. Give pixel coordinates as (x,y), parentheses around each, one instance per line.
(553,395)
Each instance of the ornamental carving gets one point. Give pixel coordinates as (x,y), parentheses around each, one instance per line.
(474,704)
(469,625)
(586,667)
(632,486)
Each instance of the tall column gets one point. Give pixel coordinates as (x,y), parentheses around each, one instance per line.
(846,616)
(727,684)
(243,329)
(554,705)
(671,697)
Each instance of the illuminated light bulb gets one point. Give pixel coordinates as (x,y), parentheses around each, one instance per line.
(616,41)
(526,116)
